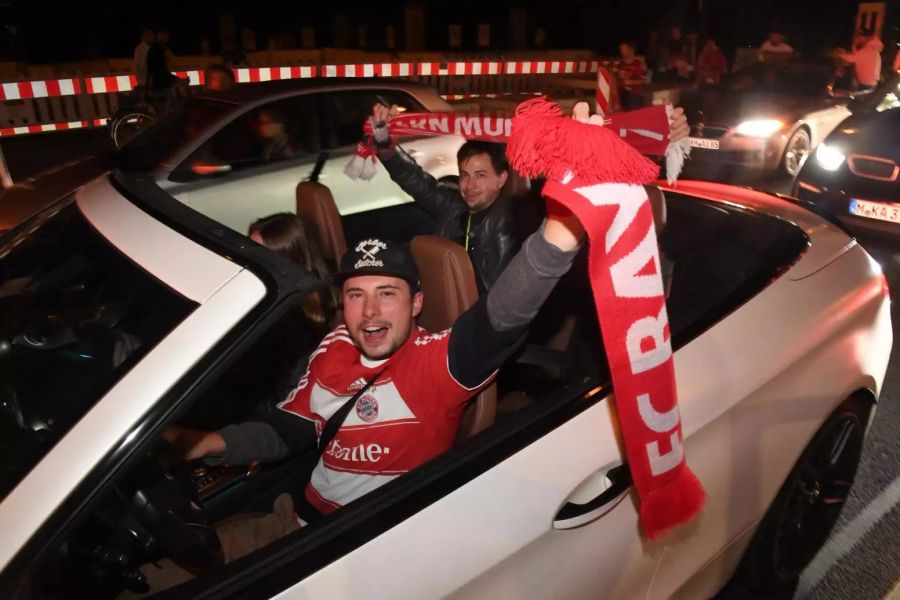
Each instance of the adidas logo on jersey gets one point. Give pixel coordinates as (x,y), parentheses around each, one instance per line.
(357,385)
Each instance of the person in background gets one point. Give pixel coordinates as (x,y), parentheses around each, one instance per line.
(632,76)
(674,54)
(867,60)
(277,143)
(775,48)
(163,88)
(140,56)
(281,357)
(289,236)
(711,64)
(218,78)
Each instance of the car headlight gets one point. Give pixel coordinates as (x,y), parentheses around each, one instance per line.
(829,157)
(761,128)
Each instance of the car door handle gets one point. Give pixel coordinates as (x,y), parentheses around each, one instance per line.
(615,484)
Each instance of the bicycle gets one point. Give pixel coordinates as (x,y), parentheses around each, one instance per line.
(141,109)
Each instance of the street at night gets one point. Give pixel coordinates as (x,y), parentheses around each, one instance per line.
(481,301)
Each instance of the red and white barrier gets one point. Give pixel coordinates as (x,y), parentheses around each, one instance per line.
(21,90)
(105,84)
(109,84)
(257,74)
(10,131)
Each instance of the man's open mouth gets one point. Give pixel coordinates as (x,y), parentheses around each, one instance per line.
(374,334)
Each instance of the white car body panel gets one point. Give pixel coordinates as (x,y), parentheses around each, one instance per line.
(190,270)
(822,122)
(178,262)
(784,382)
(240,199)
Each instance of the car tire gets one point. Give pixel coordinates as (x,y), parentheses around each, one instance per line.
(796,151)
(808,505)
(123,128)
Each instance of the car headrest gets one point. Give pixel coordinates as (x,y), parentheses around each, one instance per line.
(316,205)
(658,205)
(448,280)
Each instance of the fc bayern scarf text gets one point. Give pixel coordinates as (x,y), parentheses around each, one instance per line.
(645,129)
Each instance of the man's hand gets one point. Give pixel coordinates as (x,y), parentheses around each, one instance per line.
(563,229)
(381,113)
(191,444)
(678,125)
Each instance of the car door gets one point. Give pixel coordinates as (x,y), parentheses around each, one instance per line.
(251,167)
(532,508)
(344,112)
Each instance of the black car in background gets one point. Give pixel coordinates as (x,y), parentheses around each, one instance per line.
(855,172)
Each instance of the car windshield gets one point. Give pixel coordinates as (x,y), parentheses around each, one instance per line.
(789,79)
(176,129)
(75,316)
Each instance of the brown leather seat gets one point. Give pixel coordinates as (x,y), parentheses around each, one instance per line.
(316,206)
(516,185)
(448,282)
(658,205)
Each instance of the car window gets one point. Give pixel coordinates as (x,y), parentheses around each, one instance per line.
(275,132)
(173,131)
(152,512)
(716,257)
(346,111)
(75,316)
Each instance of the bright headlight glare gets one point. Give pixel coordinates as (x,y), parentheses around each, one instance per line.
(759,127)
(829,157)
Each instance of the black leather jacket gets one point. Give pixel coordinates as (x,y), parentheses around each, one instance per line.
(495,233)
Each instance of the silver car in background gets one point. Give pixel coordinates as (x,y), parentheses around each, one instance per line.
(769,116)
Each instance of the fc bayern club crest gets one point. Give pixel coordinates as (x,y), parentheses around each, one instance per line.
(367,408)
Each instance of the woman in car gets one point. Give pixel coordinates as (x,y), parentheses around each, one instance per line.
(280,355)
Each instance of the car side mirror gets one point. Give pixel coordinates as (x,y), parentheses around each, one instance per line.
(205,169)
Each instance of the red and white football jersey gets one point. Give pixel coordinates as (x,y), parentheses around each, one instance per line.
(409,415)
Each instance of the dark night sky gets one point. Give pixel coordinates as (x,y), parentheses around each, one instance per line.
(48,33)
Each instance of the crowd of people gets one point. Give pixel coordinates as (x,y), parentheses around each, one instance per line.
(675,59)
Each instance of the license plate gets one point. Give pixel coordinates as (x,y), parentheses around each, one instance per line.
(704,143)
(875,210)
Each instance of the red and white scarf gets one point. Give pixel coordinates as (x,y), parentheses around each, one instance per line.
(598,173)
(646,129)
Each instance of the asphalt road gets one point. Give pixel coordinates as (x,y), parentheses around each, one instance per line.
(861,561)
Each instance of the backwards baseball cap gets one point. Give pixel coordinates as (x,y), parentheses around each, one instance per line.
(378,257)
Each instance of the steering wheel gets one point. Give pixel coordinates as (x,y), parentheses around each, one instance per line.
(164,502)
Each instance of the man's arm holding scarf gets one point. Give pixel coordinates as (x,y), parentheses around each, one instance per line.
(433,197)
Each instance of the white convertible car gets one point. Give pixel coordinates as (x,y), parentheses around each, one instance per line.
(123,311)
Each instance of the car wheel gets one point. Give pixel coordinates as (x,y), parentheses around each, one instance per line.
(125,127)
(808,504)
(796,151)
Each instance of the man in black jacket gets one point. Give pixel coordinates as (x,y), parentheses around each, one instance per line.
(479,216)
